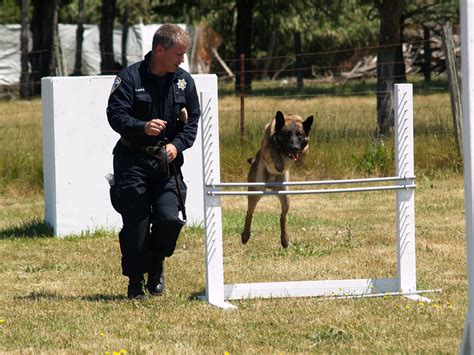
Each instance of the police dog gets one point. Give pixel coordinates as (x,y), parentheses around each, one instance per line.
(285,141)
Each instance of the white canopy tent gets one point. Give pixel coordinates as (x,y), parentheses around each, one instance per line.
(138,44)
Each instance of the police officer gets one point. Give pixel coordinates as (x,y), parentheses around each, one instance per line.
(153,104)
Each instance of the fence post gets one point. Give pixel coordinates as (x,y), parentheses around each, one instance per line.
(454,86)
(242,97)
(405,201)
(212,204)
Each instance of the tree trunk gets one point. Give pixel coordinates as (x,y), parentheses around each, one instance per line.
(107,63)
(25,84)
(390,12)
(56,61)
(268,61)
(427,54)
(400,68)
(42,30)
(79,39)
(299,73)
(243,41)
(125,26)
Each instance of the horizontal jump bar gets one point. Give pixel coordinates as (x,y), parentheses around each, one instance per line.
(306,183)
(312,192)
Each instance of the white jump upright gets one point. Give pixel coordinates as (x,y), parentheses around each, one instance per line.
(212,204)
(217,293)
(405,167)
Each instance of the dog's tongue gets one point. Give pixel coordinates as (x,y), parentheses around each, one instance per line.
(294,156)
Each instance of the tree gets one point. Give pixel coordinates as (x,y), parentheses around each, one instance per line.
(130,12)
(390,13)
(43,26)
(106,27)
(25,90)
(79,38)
(243,41)
(432,15)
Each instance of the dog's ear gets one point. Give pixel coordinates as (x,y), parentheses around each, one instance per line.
(279,121)
(307,124)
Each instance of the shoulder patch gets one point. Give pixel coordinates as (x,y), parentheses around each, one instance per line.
(116,84)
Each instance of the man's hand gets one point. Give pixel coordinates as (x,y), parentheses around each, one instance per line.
(171,152)
(154,127)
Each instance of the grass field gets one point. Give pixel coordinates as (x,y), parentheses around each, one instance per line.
(68,295)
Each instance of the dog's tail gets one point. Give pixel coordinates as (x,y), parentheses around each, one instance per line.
(251,160)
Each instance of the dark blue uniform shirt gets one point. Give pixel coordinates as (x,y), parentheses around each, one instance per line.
(136,98)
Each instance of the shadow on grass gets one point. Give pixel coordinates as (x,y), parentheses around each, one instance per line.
(198,296)
(34,228)
(54,296)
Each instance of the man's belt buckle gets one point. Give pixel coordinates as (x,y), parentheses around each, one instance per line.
(153,150)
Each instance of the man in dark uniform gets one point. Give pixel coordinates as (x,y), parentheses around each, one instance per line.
(153,103)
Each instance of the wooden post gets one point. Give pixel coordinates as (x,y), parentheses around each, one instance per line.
(454,86)
(299,73)
(242,97)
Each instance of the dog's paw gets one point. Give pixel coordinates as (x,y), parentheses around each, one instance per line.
(285,241)
(245,237)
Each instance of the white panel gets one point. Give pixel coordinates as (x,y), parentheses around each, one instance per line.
(77,148)
(193,157)
(82,155)
(49,169)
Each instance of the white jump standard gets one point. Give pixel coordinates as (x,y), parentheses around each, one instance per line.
(217,293)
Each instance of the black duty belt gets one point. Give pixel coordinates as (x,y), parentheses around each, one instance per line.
(166,168)
(148,149)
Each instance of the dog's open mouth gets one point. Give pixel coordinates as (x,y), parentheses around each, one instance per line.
(293,156)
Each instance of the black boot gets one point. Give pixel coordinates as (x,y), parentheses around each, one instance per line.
(135,288)
(156,277)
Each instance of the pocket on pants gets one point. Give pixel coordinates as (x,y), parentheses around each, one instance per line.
(114,199)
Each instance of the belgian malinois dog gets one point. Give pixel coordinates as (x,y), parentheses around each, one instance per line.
(285,141)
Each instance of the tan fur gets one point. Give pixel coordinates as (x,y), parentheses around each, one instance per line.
(273,165)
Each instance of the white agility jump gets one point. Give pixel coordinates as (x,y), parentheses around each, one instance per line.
(217,292)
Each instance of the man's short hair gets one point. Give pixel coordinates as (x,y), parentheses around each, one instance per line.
(170,35)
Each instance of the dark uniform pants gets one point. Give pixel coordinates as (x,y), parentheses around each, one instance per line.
(149,205)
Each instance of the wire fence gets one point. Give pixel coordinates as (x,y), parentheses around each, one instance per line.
(343,137)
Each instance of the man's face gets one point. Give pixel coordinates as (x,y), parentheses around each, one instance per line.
(169,59)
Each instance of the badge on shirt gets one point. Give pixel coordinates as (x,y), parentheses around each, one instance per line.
(116,84)
(182,84)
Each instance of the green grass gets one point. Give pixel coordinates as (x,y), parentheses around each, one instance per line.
(21,162)
(68,295)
